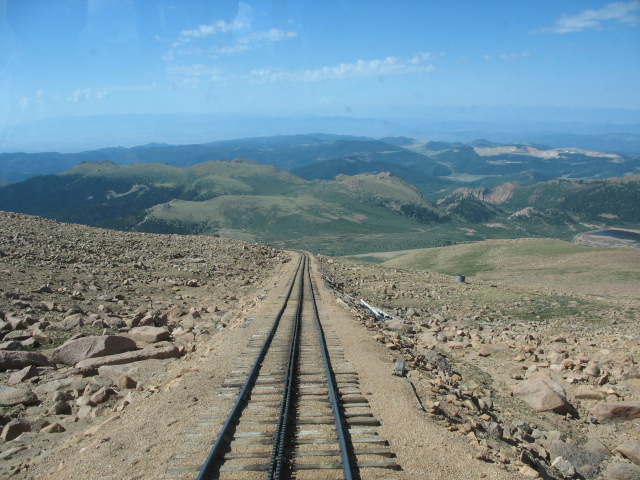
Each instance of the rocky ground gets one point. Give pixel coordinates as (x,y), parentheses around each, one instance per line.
(542,382)
(78,306)
(110,340)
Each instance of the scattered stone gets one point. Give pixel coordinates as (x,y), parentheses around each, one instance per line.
(21,375)
(13,360)
(491,348)
(60,408)
(77,384)
(543,394)
(11,345)
(529,471)
(84,411)
(584,392)
(616,410)
(80,349)
(577,456)
(53,428)
(149,334)
(563,466)
(630,450)
(39,423)
(39,335)
(7,454)
(169,351)
(10,396)
(594,445)
(102,395)
(622,471)
(14,429)
(96,428)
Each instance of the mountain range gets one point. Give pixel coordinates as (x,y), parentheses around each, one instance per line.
(344,195)
(323,156)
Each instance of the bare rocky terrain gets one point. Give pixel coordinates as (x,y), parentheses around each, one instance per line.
(111,341)
(78,306)
(541,381)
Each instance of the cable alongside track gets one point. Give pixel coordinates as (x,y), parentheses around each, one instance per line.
(299,411)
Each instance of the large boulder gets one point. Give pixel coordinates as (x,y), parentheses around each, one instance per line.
(622,471)
(616,410)
(631,450)
(578,457)
(12,359)
(10,396)
(15,428)
(75,351)
(543,394)
(149,334)
(62,385)
(167,351)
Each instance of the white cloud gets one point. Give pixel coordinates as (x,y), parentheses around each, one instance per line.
(98,93)
(194,75)
(623,12)
(37,100)
(359,68)
(207,30)
(227,46)
(86,94)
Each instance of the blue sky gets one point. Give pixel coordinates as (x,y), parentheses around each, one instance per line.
(335,57)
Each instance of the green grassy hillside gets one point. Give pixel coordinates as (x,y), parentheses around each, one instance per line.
(554,263)
(345,215)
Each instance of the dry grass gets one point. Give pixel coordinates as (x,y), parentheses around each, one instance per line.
(553,264)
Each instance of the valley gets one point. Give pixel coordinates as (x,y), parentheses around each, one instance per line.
(331,194)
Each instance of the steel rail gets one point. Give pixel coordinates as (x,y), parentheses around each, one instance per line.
(279,437)
(347,467)
(217,450)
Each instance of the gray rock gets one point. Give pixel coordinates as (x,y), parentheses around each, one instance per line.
(491,348)
(169,351)
(75,351)
(40,335)
(17,335)
(596,446)
(62,385)
(577,456)
(59,408)
(117,375)
(7,454)
(10,360)
(102,395)
(630,450)
(616,410)
(149,334)
(10,396)
(436,359)
(39,423)
(53,428)
(20,376)
(11,345)
(622,471)
(15,428)
(543,394)
(563,466)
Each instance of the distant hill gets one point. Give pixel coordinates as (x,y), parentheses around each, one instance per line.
(345,214)
(238,199)
(328,155)
(426,173)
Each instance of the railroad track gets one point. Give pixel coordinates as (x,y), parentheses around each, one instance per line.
(297,409)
